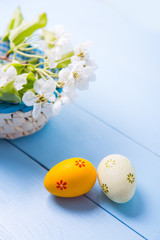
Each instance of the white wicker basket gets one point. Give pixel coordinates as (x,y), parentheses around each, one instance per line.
(20,124)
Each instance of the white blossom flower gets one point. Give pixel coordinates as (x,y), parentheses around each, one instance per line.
(81,52)
(45,88)
(61,38)
(45,96)
(11,75)
(76,75)
(67,96)
(58,44)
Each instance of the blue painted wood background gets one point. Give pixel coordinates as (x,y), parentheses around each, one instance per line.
(119,114)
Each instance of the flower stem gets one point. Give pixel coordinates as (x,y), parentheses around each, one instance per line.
(41,63)
(57,93)
(62,60)
(29,55)
(47,73)
(27,49)
(51,73)
(42,75)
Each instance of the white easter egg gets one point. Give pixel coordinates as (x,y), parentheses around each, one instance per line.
(116,177)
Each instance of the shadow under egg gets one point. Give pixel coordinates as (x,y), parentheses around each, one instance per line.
(75,204)
(132,208)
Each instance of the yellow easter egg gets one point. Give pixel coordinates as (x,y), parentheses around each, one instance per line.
(70,178)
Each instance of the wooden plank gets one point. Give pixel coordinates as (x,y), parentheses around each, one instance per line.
(28,211)
(74,133)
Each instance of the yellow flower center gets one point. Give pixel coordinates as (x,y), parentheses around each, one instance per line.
(41,98)
(81,55)
(76,75)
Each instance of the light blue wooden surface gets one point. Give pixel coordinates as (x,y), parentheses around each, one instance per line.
(121,115)
(75,133)
(28,211)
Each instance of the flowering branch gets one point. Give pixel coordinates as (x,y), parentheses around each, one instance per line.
(42,73)
(5,58)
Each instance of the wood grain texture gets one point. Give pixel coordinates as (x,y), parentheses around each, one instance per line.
(74,133)
(29,212)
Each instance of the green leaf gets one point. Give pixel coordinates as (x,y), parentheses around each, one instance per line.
(29,85)
(15,22)
(19,67)
(33,60)
(64,63)
(18,18)
(9,93)
(26,29)
(68,55)
(66,59)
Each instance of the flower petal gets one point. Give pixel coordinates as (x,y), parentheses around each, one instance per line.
(58,30)
(29,98)
(56,108)
(47,109)
(45,87)
(51,98)
(20,80)
(36,110)
(11,73)
(63,75)
(43,45)
(38,86)
(49,87)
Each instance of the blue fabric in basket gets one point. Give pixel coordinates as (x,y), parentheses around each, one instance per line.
(11,107)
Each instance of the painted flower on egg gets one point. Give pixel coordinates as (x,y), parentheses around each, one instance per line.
(105,188)
(61,185)
(80,163)
(110,163)
(130,178)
